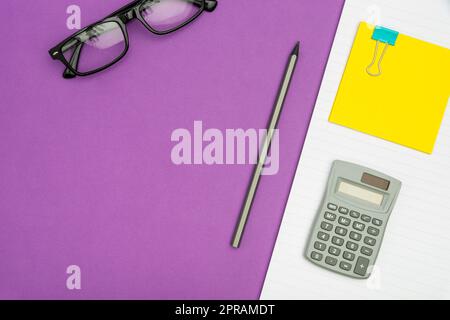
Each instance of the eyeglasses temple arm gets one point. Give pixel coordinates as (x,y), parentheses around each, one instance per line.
(69,74)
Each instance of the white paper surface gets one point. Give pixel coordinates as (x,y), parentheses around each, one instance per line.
(414,259)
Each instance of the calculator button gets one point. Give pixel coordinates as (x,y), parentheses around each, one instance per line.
(323,236)
(340,231)
(337,241)
(351,246)
(355,236)
(365,218)
(319,246)
(366,251)
(354,214)
(344,221)
(358,226)
(332,206)
(343,210)
(348,256)
(370,241)
(334,251)
(316,256)
(330,216)
(377,222)
(331,261)
(361,266)
(345,266)
(373,231)
(326,226)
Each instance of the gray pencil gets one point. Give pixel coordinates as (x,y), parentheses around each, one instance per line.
(265,147)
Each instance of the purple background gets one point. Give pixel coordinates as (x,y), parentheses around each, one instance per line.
(85,170)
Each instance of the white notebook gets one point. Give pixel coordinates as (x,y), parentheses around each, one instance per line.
(414,259)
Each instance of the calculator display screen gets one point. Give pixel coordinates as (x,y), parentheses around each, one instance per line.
(360,193)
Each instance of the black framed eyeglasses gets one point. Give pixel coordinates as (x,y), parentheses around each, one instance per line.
(103,43)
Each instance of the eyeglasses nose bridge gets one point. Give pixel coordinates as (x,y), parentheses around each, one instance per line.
(128,16)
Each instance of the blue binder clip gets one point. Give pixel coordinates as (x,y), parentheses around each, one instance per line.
(386,36)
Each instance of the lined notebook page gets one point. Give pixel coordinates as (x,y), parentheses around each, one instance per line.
(414,259)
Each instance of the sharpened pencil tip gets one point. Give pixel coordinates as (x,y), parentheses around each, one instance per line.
(296,49)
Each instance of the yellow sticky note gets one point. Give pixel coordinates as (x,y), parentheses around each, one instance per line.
(406,103)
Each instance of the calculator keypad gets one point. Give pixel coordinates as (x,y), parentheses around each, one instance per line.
(340,231)
(316,256)
(344,221)
(331,261)
(373,231)
(343,210)
(338,241)
(330,216)
(345,266)
(355,236)
(366,251)
(348,256)
(326,226)
(361,266)
(358,226)
(332,206)
(323,236)
(346,240)
(352,246)
(377,222)
(334,251)
(370,241)
(319,246)
(354,214)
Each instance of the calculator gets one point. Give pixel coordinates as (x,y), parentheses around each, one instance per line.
(352,219)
